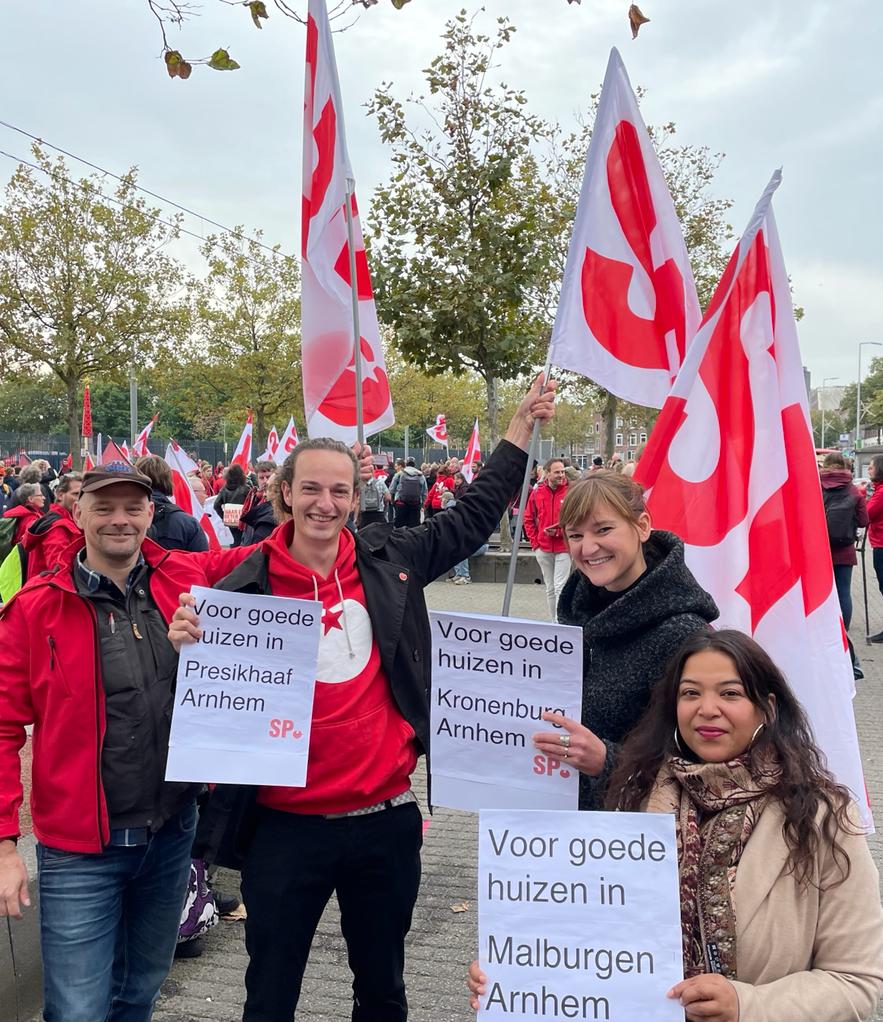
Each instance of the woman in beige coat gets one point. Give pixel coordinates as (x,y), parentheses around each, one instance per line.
(780,900)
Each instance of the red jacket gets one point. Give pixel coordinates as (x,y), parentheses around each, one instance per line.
(46,544)
(834,479)
(875,516)
(544,509)
(51,678)
(433,497)
(26,516)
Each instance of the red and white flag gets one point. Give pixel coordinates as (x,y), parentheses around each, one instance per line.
(139,446)
(473,455)
(272,444)
(181,465)
(88,463)
(287,444)
(326,295)
(113,452)
(127,454)
(23,459)
(628,307)
(731,469)
(86,427)
(242,454)
(439,432)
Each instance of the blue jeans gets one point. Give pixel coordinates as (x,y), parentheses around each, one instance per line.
(843,584)
(461,568)
(109,924)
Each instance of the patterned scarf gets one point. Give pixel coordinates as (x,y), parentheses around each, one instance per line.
(716,806)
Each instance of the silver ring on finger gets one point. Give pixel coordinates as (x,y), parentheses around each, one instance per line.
(564,740)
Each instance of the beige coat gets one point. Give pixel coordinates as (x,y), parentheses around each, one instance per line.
(805,955)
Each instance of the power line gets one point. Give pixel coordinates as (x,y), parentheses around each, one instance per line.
(146,191)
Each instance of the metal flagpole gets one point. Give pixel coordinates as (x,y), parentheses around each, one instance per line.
(522,502)
(354,287)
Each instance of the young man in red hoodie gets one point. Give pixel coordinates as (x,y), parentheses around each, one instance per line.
(355,828)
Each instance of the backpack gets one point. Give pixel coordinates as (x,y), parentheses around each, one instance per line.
(8,528)
(410,489)
(840,515)
(372,498)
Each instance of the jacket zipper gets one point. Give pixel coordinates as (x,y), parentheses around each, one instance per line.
(98,687)
(51,642)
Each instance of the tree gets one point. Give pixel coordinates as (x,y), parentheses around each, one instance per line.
(418,397)
(246,330)
(33,404)
(457,233)
(85,286)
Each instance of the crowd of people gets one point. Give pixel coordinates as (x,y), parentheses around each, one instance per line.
(780,905)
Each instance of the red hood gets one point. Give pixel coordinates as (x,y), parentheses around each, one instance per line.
(22,511)
(296,576)
(832,478)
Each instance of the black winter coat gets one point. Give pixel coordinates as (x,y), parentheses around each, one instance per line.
(173,528)
(394,566)
(627,643)
(257,523)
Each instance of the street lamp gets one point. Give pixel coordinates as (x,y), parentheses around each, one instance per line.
(825,382)
(858,400)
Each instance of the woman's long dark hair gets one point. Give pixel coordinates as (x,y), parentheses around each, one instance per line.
(235,477)
(804,785)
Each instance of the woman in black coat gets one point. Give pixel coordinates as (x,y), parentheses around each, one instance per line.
(636,601)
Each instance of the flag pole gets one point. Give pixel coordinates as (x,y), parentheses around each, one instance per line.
(522,501)
(354,287)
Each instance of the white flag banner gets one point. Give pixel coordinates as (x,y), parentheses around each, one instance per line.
(287,443)
(473,455)
(326,293)
(730,467)
(628,307)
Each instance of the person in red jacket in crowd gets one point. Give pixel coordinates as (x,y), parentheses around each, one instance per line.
(875,523)
(444,480)
(355,828)
(89,665)
(46,540)
(543,532)
(28,510)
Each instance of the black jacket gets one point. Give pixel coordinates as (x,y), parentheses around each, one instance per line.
(394,566)
(173,528)
(627,642)
(257,522)
(227,495)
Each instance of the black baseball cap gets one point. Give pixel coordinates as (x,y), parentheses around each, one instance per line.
(115,472)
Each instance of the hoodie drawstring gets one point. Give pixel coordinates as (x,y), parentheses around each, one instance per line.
(346,629)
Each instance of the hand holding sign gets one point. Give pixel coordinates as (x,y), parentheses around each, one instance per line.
(184,626)
(582,749)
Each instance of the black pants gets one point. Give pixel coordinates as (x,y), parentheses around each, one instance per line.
(407,516)
(293,866)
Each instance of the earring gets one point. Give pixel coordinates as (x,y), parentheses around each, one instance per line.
(678,741)
(757,731)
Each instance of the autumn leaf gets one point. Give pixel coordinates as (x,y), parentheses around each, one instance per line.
(173,60)
(399,4)
(258,10)
(460,906)
(636,19)
(222,61)
(184,70)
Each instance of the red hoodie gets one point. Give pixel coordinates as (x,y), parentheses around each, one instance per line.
(361,748)
(46,547)
(26,516)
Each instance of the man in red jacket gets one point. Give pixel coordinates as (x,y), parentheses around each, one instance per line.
(46,539)
(544,533)
(88,663)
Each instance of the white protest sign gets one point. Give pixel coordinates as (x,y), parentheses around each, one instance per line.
(244,697)
(492,678)
(579,916)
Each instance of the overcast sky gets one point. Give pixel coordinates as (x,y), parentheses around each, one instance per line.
(768,83)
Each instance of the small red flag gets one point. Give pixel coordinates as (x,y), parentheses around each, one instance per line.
(86,428)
